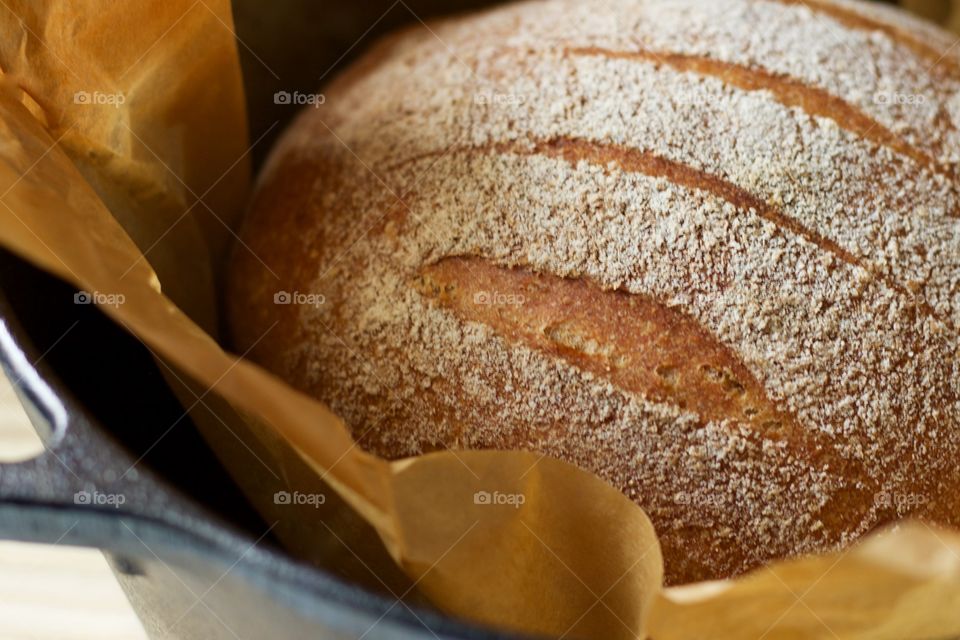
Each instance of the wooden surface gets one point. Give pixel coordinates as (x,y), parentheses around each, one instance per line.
(50,592)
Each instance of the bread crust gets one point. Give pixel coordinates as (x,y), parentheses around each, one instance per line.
(694,257)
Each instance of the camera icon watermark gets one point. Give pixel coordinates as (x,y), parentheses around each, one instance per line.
(899,500)
(97,297)
(499,99)
(498,299)
(893,97)
(298,98)
(699,500)
(296,297)
(98,499)
(285,498)
(115,99)
(496,498)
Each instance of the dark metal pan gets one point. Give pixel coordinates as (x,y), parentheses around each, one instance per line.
(183,542)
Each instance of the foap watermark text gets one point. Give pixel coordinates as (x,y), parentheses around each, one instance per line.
(497,498)
(100,98)
(100,298)
(298,98)
(498,299)
(99,499)
(296,297)
(297,498)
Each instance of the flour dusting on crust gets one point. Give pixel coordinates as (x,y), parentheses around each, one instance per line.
(840,294)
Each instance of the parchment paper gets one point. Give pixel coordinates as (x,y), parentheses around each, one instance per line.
(89,186)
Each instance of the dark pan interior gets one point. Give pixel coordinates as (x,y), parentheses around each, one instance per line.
(115,378)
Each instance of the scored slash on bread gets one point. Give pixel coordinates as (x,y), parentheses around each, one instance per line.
(708,250)
(640,345)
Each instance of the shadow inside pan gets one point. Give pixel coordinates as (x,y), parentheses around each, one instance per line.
(115,378)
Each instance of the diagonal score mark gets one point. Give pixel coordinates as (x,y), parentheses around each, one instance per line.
(345,145)
(832,30)
(399,199)
(901,35)
(199,399)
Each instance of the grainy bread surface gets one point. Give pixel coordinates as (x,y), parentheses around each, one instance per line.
(708,250)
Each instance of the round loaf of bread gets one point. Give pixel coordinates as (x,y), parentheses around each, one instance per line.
(709,251)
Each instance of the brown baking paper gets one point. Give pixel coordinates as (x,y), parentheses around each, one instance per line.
(133,199)
(897,584)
